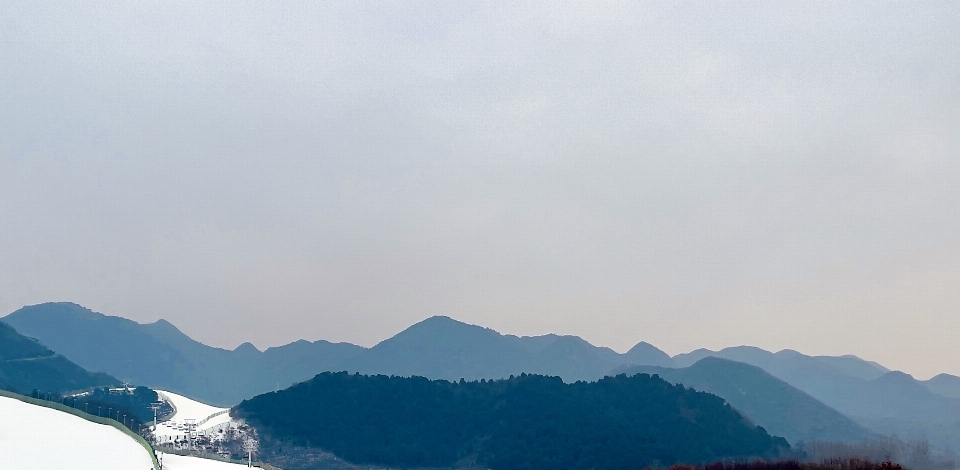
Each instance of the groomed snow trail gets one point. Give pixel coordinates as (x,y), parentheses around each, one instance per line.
(189,409)
(179,462)
(33,437)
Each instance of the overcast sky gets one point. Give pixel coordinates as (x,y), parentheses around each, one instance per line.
(778,174)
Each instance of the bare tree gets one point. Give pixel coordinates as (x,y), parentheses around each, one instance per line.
(250,446)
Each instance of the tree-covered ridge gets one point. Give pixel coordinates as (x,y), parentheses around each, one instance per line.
(15,346)
(26,365)
(766,400)
(530,421)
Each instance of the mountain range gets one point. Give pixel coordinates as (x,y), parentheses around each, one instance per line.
(845,393)
(443,348)
(525,422)
(887,402)
(779,407)
(26,365)
(159,355)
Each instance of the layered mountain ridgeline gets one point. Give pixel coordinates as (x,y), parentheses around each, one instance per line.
(944,384)
(26,366)
(770,402)
(884,401)
(159,355)
(530,421)
(443,348)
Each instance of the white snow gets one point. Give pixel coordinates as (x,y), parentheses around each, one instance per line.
(188,408)
(208,419)
(33,437)
(179,462)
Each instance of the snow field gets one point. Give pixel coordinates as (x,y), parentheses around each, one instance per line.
(209,419)
(33,437)
(179,462)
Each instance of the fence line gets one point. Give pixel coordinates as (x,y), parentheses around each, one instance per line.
(209,456)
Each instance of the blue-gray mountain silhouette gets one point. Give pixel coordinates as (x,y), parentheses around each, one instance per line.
(158,355)
(443,348)
(884,401)
(780,408)
(26,365)
(944,384)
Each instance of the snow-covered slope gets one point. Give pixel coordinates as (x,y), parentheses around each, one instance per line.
(179,462)
(33,437)
(208,419)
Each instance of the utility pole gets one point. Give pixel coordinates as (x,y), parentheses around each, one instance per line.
(154,407)
(250,446)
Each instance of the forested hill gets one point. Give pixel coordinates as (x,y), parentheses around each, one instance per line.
(27,365)
(765,399)
(530,421)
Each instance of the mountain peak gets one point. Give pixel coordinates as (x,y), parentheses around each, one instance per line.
(944,384)
(648,354)
(54,310)
(896,376)
(163,325)
(788,353)
(246,348)
(442,321)
(946,376)
(445,329)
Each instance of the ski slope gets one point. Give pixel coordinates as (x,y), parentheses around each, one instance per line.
(33,437)
(179,462)
(208,419)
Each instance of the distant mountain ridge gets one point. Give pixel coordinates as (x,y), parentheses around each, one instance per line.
(886,402)
(27,365)
(944,384)
(158,355)
(161,356)
(443,348)
(780,408)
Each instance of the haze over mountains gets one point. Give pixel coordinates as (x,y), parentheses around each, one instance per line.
(794,395)
(886,402)
(26,365)
(159,355)
(443,348)
(776,405)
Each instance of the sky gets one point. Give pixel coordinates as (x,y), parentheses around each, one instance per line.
(695,174)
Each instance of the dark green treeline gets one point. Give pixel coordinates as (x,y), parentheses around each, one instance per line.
(530,421)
